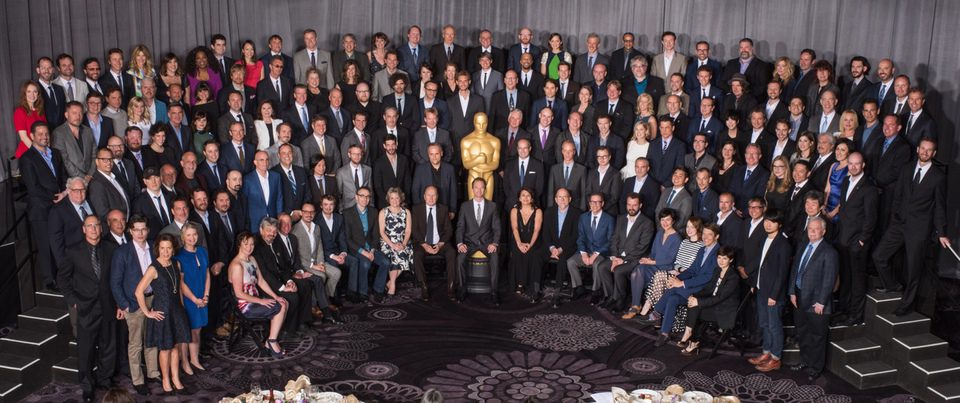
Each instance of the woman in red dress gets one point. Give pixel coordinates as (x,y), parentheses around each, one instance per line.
(29,110)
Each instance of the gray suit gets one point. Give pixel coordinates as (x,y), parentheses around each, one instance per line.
(832,127)
(477,236)
(682,203)
(690,163)
(352,139)
(582,72)
(678,65)
(79,162)
(347,186)
(381,84)
(421,140)
(310,147)
(629,246)
(301,63)
(273,152)
(576,185)
(494,84)
(103,196)
(331,274)
(80,90)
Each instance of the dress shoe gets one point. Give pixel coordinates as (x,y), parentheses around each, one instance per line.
(578,293)
(142,389)
(760,359)
(661,340)
(316,312)
(772,364)
(155,380)
(88,396)
(851,322)
(52,287)
(812,376)
(652,319)
(331,320)
(897,288)
(903,311)
(536,298)
(798,367)
(631,313)
(424,293)
(596,299)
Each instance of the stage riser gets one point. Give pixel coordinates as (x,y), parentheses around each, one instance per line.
(43,338)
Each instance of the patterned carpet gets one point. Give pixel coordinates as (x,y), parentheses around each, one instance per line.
(474,352)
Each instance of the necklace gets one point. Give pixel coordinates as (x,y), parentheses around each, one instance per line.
(173,277)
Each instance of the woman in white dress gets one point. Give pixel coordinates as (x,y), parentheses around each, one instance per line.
(266,125)
(636,148)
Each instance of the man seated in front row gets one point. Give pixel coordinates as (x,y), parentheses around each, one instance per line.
(478,230)
(593,244)
(431,233)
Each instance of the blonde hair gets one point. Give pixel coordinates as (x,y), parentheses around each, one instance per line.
(649,100)
(636,129)
(148,60)
(137,101)
(849,113)
(789,71)
(787,182)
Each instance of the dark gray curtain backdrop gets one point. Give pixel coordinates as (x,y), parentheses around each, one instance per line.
(919,35)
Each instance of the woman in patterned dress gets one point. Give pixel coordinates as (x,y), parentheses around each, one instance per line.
(246,282)
(686,253)
(395,230)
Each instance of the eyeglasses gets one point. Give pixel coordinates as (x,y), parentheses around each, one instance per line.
(363,195)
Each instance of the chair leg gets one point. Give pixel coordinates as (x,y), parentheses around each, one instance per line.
(723,337)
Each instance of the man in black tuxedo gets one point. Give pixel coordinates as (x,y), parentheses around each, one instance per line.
(54,99)
(820,172)
(391,170)
(755,70)
(522,172)
(116,76)
(801,185)
(85,281)
(153,203)
(811,293)
(506,101)
(275,86)
(858,218)
(918,212)
(431,235)
(45,183)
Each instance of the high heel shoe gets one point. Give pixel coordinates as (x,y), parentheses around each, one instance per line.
(688,352)
(683,344)
(273,353)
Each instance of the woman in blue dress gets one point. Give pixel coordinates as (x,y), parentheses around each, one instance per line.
(838,171)
(195,285)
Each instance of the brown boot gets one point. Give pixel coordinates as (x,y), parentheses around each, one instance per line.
(760,359)
(772,364)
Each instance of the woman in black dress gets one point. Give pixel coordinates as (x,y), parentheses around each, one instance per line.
(729,159)
(780,184)
(526,258)
(168,326)
(156,154)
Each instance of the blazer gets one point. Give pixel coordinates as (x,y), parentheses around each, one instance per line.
(546,152)
(682,203)
(303,245)
(288,66)
(817,278)
(923,126)
(887,166)
(691,84)
(583,70)
(619,63)
(85,288)
(78,161)
(534,178)
(385,177)
(353,138)
(268,258)
(404,141)
(815,120)
(781,111)
(421,140)
(770,276)
(125,274)
(616,146)
(754,186)
(231,160)
(410,118)
(223,127)
(107,81)
(886,102)
(813,97)
(494,84)
(858,213)
(174,143)
(623,116)
(258,206)
(301,63)
(569,92)
(649,195)
(678,65)
(145,205)
(294,192)
(292,116)
(348,188)
(582,155)
(317,191)
(462,124)
(595,241)
(722,296)
(535,83)
(706,204)
(106,129)
(508,149)
(410,64)
(443,112)
(249,100)
(690,162)
(730,230)
(758,74)
(662,162)
(821,173)
(800,85)
(698,275)
(788,149)
(610,187)
(418,219)
(655,87)
(561,235)
(381,83)
(516,50)
(559,109)
(223,246)
(332,241)
(213,180)
(333,127)
(439,59)
(356,238)
(311,147)
(103,196)
(799,236)
(576,184)
(447,187)
(499,59)
(477,235)
(42,184)
(65,228)
(921,207)
(266,91)
(631,246)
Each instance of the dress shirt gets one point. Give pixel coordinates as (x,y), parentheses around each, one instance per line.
(265,184)
(923,169)
(753,225)
(328,221)
(433,210)
(763,255)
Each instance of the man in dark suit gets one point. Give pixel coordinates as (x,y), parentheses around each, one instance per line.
(299,114)
(813,208)
(543,137)
(320,183)
(882,90)
(755,70)
(631,240)
(350,52)
(889,157)
(524,46)
(677,198)
(101,126)
(701,59)
(438,174)
(775,108)
(391,170)
(497,55)
(46,184)
(576,135)
(804,74)
(106,192)
(275,87)
(522,172)
(531,80)
(730,223)
(707,123)
(749,180)
(583,67)
(461,124)
(567,89)
(751,237)
(857,88)
(478,230)
(213,172)
(820,171)
(333,244)
(339,120)
(432,134)
(919,124)
(619,106)
(275,48)
(431,235)
(363,244)
(486,80)
(811,286)
(594,232)
(408,109)
(235,113)
(221,62)
(54,99)
(550,101)
(619,63)
(705,88)
(280,277)
(560,230)
(85,281)
(666,153)
(117,77)
(390,127)
(641,82)
(644,185)
(412,54)
(801,185)
(568,175)
(917,214)
(768,282)
(605,179)
(180,137)
(236,77)
(448,52)
(237,154)
(293,182)
(510,134)
(706,202)
(506,101)
(65,221)
(153,204)
(598,86)
(858,218)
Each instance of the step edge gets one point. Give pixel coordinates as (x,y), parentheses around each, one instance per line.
(62,317)
(11,390)
(44,341)
(919,347)
(903,323)
(855,349)
(35,360)
(931,388)
(64,368)
(886,371)
(956,368)
(883,300)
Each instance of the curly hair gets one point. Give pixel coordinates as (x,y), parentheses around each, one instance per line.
(191,61)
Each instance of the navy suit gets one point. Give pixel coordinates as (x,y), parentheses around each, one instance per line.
(559,109)
(333,128)
(754,186)
(125,274)
(411,64)
(706,204)
(591,242)
(696,97)
(713,128)
(213,181)
(106,130)
(662,162)
(513,56)
(53,108)
(294,194)
(816,277)
(145,204)
(257,206)
(231,160)
(694,279)
(690,78)
(443,113)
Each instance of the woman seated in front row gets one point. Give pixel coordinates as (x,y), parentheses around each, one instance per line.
(246,281)
(717,302)
(683,258)
(662,255)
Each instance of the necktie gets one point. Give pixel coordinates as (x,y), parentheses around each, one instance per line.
(513,137)
(803,265)
(590,62)
(123,240)
(610,109)
(899,108)
(700,201)
(84,212)
(594,225)
(293,181)
(431,224)
(526,79)
(479,213)
(910,122)
(566,176)
(223,66)
(886,145)
(916,178)
(703,125)
(796,189)
(550,104)
(449,52)
(95,261)
(216,173)
(883,91)
(824,124)
(414,50)
(164,218)
(513,104)
(119,78)
(665,145)
(747,175)
(483,81)
(70,91)
(563,90)
(240,154)
(399,106)
(704,96)
(52,96)
(543,138)
(303,117)
(526,49)
(276,85)
(673,193)
(313,59)
(226,223)
(523,172)
(123,171)
(340,119)
(356,177)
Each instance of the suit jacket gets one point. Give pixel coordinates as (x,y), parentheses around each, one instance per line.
(707,206)
(583,71)
(222,238)
(858,213)
(296,192)
(544,152)
(887,166)
(381,83)
(42,184)
(516,50)
(691,84)
(374,111)
(54,108)
(292,116)
(76,159)
(781,111)
(599,91)
(301,63)
(508,149)
(799,236)
(561,235)
(770,278)
(730,230)
(477,235)
(494,84)
(333,241)
(206,172)
(352,139)
(655,87)
(678,65)
(499,59)
(923,126)
(340,58)
(921,207)
(409,63)
(418,219)
(649,195)
(439,59)
(622,116)
(788,149)
(696,98)
(682,203)
(631,246)
(288,66)
(103,196)
(618,151)
(268,260)
(421,140)
(125,274)
(582,156)
(818,277)
(260,205)
(443,113)
(404,141)
(662,162)
(534,178)
(223,127)
(186,136)
(754,186)
(230,159)
(499,109)
(795,206)
(310,148)
(356,238)
(65,228)
(447,186)
(800,85)
(595,241)
(813,97)
(889,98)
(333,127)
(576,184)
(618,66)
(758,74)
(249,100)
(559,109)
(569,92)
(266,91)
(348,188)
(107,81)
(832,127)
(534,86)
(301,242)
(410,117)
(462,124)
(610,187)
(853,95)
(821,174)
(144,204)
(106,129)
(317,191)
(698,274)
(384,177)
